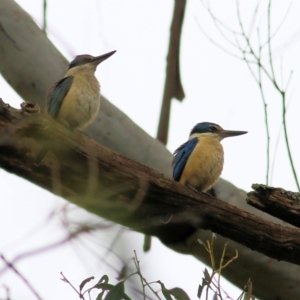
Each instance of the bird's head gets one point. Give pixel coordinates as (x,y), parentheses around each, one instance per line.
(213,130)
(89,61)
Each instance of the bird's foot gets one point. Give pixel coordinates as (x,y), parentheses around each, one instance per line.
(193,188)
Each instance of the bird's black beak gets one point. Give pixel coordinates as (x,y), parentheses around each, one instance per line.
(98,59)
(228,133)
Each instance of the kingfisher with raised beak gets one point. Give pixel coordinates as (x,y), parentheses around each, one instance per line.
(75,99)
(198,163)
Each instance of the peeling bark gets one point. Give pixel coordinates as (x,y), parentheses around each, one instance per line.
(282,204)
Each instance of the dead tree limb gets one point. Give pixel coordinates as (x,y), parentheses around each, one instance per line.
(284,205)
(173,87)
(121,190)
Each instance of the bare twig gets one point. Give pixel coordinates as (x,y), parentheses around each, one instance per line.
(43,249)
(209,247)
(251,56)
(26,282)
(144,282)
(265,107)
(71,285)
(45,16)
(272,35)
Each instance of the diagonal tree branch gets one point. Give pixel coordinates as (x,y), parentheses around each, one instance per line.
(123,191)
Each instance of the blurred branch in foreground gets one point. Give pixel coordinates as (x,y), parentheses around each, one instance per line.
(24,279)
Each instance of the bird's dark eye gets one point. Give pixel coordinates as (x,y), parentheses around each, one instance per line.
(212,129)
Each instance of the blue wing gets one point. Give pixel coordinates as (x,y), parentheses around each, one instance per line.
(181,156)
(57,95)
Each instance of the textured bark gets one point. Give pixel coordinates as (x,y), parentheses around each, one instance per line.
(121,190)
(284,205)
(30,63)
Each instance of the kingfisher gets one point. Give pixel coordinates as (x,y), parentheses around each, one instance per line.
(75,99)
(198,163)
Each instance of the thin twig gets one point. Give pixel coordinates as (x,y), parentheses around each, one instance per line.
(265,107)
(278,27)
(143,280)
(215,43)
(42,249)
(220,22)
(45,16)
(270,48)
(221,25)
(283,95)
(72,286)
(26,282)
(255,56)
(253,19)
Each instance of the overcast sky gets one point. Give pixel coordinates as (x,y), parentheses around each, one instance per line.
(219,88)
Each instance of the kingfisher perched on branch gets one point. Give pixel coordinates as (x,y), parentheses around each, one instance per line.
(75,99)
(198,163)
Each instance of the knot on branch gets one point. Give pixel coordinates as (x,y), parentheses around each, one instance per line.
(30,107)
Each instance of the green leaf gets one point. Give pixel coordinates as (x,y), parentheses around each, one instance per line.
(83,283)
(179,294)
(103,286)
(206,275)
(104,279)
(166,294)
(165,291)
(117,292)
(99,297)
(200,289)
(122,274)
(147,243)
